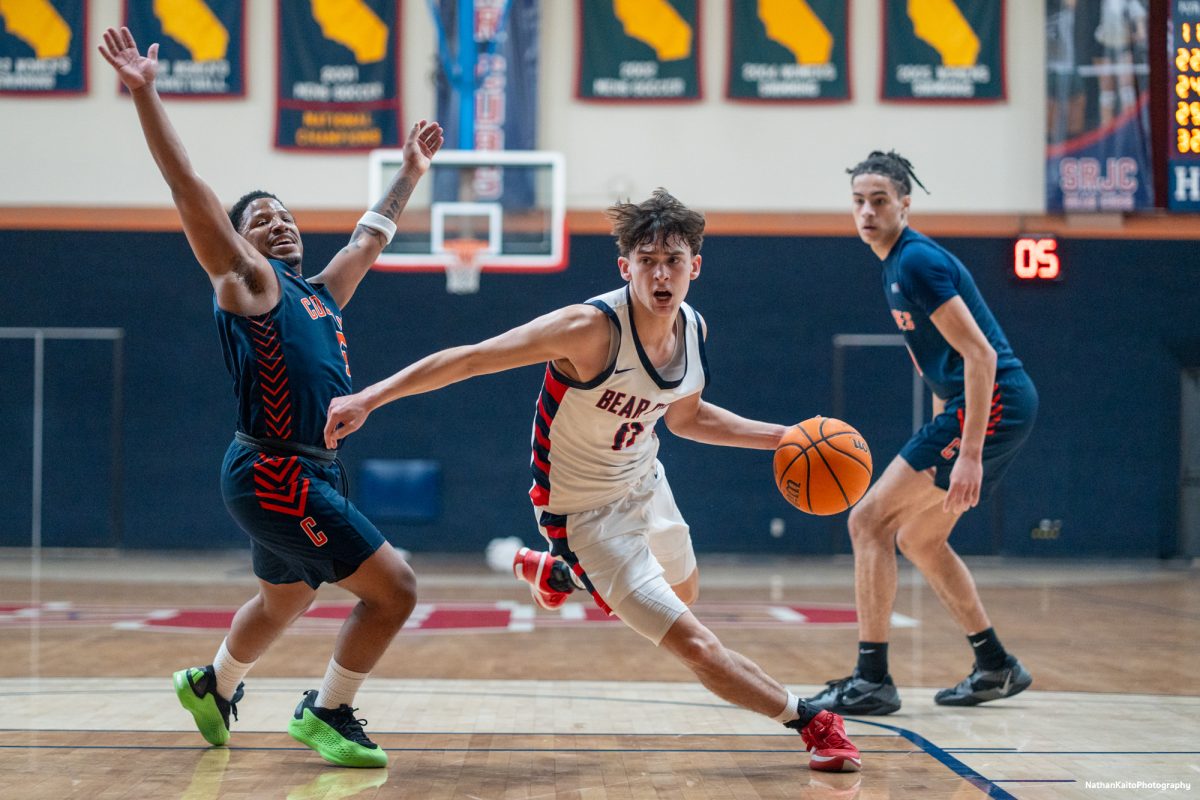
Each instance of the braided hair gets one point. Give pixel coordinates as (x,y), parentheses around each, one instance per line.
(891,165)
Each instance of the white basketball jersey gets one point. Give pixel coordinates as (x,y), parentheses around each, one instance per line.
(593,441)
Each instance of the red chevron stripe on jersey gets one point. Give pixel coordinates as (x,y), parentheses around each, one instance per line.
(994,416)
(555,526)
(278,488)
(553,391)
(272,378)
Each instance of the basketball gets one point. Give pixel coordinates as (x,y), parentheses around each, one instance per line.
(822,466)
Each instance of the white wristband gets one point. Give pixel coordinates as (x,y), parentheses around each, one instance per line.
(378,222)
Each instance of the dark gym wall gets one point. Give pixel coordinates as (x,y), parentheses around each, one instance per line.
(1104,346)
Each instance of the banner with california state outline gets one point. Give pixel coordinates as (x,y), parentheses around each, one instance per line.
(43,47)
(788,50)
(201,45)
(339,75)
(639,50)
(943,50)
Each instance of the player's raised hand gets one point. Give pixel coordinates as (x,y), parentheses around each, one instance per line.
(424,140)
(966,478)
(346,415)
(134,69)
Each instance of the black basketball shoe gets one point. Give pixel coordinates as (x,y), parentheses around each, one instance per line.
(982,686)
(858,696)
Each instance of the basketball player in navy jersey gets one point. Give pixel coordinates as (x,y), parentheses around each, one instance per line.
(615,365)
(983,409)
(284,347)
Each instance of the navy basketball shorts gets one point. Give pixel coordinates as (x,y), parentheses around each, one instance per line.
(301,527)
(936,445)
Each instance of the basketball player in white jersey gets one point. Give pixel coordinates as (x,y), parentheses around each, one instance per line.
(615,365)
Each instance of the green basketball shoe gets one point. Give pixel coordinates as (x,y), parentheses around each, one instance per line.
(335,734)
(196,688)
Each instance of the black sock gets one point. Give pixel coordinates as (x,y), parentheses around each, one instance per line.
(989,653)
(873,661)
(806,713)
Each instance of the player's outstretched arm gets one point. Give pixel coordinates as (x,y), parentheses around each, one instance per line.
(954,321)
(577,333)
(700,421)
(346,270)
(218,247)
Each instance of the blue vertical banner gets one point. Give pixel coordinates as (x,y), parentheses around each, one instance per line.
(1098,107)
(339,75)
(943,50)
(43,47)
(639,50)
(788,51)
(202,45)
(488,84)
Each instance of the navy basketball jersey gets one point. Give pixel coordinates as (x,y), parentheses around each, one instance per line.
(288,363)
(920,275)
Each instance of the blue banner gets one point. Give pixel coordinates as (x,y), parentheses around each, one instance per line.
(493,86)
(42,47)
(339,75)
(1098,101)
(201,45)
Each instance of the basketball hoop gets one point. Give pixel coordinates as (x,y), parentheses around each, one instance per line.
(462,273)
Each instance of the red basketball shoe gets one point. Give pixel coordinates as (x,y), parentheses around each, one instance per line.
(830,751)
(549,578)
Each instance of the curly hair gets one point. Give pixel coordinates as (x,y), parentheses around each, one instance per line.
(891,165)
(662,218)
(239,208)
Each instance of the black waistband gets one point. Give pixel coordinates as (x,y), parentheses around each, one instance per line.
(279,447)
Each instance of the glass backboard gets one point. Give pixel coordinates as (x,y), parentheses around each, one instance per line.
(507,205)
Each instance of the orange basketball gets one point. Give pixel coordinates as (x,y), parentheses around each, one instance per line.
(822,466)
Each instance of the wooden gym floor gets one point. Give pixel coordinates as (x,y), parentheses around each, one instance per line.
(484,696)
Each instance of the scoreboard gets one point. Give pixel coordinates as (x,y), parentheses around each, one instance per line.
(1183,160)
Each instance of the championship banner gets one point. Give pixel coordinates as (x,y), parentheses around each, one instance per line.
(943,50)
(42,47)
(639,50)
(201,45)
(788,50)
(1098,107)
(339,75)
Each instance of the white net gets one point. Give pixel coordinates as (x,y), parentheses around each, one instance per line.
(462,273)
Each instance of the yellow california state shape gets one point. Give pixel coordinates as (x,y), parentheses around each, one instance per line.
(193,24)
(658,24)
(353,24)
(796,26)
(38,24)
(941,24)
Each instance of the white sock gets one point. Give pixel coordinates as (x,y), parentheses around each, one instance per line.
(791,710)
(229,671)
(340,686)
